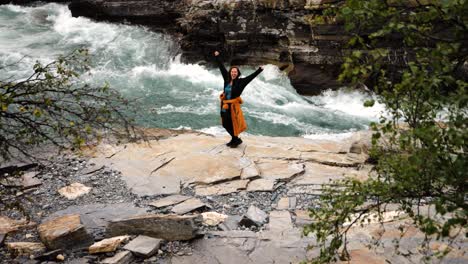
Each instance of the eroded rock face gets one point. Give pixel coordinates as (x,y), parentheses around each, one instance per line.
(280,32)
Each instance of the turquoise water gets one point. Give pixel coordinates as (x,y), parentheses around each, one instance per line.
(145,65)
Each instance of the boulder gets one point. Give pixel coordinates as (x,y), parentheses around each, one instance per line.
(64,232)
(168,227)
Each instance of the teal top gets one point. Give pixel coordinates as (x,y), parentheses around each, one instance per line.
(227,92)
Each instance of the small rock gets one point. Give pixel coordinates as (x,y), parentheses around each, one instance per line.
(29,180)
(25,248)
(188,206)
(213,218)
(144,246)
(29,235)
(64,232)
(168,227)
(169,200)
(60,257)
(292,202)
(254,216)
(74,190)
(123,257)
(2,238)
(11,182)
(107,245)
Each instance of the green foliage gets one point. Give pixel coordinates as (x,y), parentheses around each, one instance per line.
(53,106)
(414,54)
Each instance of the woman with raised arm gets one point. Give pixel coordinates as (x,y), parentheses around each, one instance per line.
(231,112)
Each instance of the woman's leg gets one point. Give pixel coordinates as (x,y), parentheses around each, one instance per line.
(227,124)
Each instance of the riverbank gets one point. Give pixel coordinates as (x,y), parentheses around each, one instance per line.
(247,204)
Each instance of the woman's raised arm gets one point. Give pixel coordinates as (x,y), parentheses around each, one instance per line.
(221,67)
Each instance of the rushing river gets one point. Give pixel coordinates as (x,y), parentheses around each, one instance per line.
(143,64)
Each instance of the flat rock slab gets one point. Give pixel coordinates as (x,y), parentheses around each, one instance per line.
(123,257)
(144,246)
(249,169)
(64,232)
(279,169)
(246,247)
(169,200)
(95,217)
(108,244)
(222,188)
(168,227)
(261,185)
(188,206)
(280,220)
(74,190)
(25,248)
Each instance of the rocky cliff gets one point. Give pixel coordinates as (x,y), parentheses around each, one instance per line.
(246,31)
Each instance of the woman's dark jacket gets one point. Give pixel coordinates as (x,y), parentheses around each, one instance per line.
(238,84)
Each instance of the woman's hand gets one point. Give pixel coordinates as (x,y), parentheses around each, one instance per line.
(216,53)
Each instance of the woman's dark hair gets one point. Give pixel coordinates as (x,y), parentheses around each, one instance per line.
(238,71)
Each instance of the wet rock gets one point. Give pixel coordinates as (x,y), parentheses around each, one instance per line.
(264,185)
(64,232)
(74,190)
(49,256)
(169,200)
(188,206)
(108,244)
(254,216)
(25,248)
(168,227)
(222,188)
(123,257)
(231,223)
(213,218)
(144,246)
